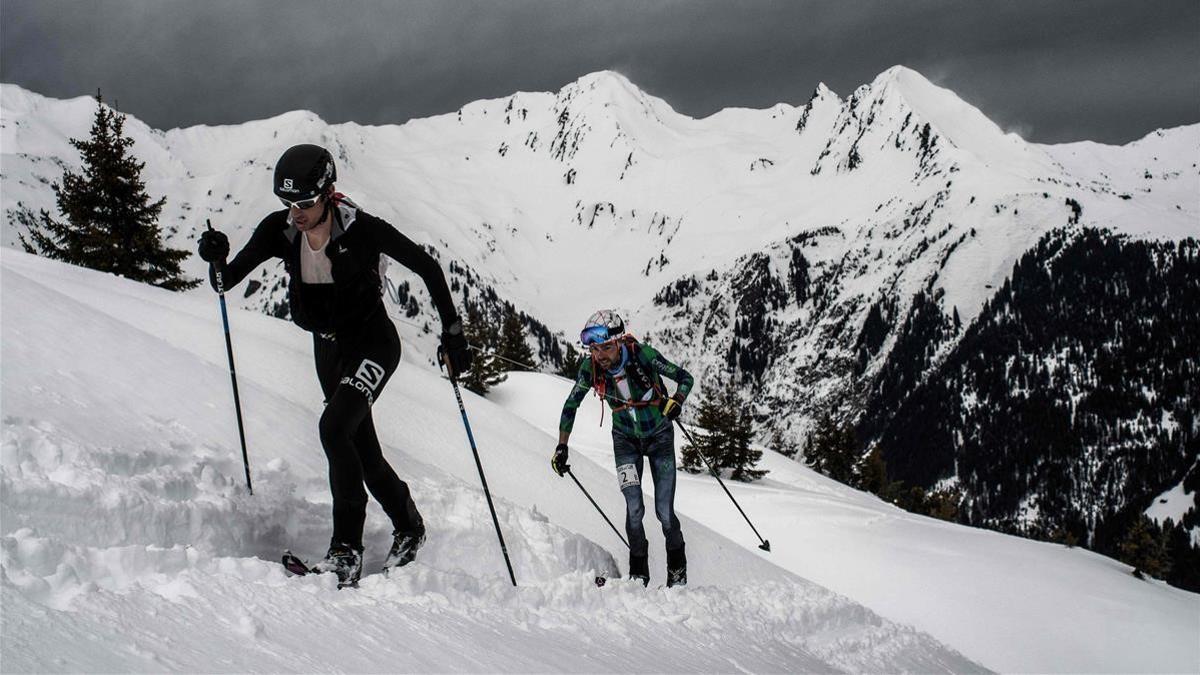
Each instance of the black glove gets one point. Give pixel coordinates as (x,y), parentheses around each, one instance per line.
(672,408)
(454,349)
(214,246)
(559,461)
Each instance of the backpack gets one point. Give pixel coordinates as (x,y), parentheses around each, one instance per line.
(635,370)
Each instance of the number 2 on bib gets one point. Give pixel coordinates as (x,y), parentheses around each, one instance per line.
(627,476)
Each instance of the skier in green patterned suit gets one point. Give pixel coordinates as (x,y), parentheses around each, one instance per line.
(629,376)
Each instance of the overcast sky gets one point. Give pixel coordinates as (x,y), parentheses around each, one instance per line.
(1050,71)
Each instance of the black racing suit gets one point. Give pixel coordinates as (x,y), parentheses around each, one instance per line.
(355,346)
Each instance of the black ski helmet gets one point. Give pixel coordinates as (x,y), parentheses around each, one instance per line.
(303,172)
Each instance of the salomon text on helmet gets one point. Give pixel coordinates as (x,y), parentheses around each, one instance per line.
(304,172)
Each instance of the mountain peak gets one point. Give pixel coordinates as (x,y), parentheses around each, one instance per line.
(608,88)
(898,72)
(606,78)
(822,92)
(902,108)
(606,105)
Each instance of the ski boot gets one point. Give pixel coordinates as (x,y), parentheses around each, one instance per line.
(676,568)
(344,561)
(639,568)
(404,547)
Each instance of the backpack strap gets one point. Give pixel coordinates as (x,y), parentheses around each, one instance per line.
(634,369)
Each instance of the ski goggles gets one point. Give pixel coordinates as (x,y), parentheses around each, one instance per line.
(301,204)
(594,336)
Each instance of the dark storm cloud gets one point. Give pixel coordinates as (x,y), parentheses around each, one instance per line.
(1109,71)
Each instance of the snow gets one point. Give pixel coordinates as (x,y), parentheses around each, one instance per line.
(656,196)
(1173,503)
(1013,604)
(127,534)
(1158,173)
(962,124)
(128,540)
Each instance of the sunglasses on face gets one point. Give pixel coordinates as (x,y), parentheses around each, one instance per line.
(300,204)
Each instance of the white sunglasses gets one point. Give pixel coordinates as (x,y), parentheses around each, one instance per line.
(301,204)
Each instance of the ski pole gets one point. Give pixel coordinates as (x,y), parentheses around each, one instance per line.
(237,403)
(593,501)
(765,545)
(478,465)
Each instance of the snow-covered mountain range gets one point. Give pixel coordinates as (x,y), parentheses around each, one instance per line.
(602,195)
(752,244)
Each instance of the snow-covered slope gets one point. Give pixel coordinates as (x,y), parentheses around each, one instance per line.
(129,543)
(1015,605)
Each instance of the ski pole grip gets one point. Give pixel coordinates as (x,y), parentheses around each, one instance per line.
(444,361)
(218,266)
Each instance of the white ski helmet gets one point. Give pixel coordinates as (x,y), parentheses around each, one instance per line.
(603,326)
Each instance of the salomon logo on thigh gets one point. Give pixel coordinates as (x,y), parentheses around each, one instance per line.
(370,373)
(362,388)
(367,379)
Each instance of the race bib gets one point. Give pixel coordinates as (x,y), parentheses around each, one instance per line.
(627,476)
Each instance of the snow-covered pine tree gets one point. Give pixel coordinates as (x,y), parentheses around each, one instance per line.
(111,224)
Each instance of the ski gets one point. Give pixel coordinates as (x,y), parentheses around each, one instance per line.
(295,565)
(601,581)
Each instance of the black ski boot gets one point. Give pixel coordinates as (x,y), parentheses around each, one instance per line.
(676,568)
(639,568)
(344,561)
(404,547)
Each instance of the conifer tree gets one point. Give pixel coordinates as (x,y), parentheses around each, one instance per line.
(738,454)
(1144,547)
(782,445)
(1184,556)
(728,430)
(833,449)
(486,370)
(111,224)
(872,476)
(944,503)
(706,437)
(512,345)
(571,362)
